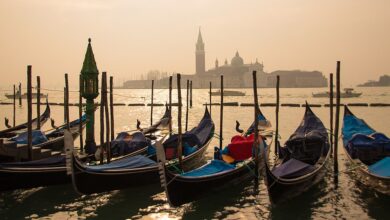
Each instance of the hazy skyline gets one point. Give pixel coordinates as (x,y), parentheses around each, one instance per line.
(133,37)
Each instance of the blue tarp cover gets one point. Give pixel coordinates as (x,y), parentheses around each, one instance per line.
(125,143)
(292,168)
(381,168)
(352,126)
(38,137)
(215,166)
(198,136)
(127,162)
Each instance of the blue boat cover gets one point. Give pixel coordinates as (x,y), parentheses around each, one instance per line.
(215,166)
(60,130)
(123,163)
(38,137)
(198,136)
(58,160)
(381,168)
(309,140)
(292,168)
(125,143)
(369,148)
(353,125)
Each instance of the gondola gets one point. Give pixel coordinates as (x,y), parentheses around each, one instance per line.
(54,139)
(301,162)
(136,171)
(368,153)
(10,132)
(44,172)
(219,172)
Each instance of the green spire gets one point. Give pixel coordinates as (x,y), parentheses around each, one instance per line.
(89,64)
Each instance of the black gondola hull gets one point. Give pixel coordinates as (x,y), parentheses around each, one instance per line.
(11,179)
(181,190)
(280,191)
(86,182)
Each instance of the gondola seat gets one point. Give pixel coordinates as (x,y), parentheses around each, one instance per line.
(381,168)
(306,149)
(215,166)
(126,143)
(292,168)
(38,137)
(124,163)
(369,148)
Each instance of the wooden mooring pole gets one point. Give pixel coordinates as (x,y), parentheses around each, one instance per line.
(331,111)
(221,117)
(336,132)
(151,106)
(256,131)
(107,117)
(112,107)
(81,114)
(277,115)
(29,113)
(66,104)
(38,102)
(188,85)
(180,144)
(191,94)
(102,121)
(14,107)
(210,97)
(170,105)
(20,94)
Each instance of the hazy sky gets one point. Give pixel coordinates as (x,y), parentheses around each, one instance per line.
(132,37)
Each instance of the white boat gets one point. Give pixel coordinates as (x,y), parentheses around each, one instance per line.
(348,93)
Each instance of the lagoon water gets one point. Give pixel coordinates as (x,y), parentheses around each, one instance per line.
(347,200)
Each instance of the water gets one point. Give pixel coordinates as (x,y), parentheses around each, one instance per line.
(349,200)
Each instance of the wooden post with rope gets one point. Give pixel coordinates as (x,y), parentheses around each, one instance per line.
(188,84)
(29,113)
(277,115)
(221,117)
(38,102)
(336,132)
(170,105)
(256,130)
(180,144)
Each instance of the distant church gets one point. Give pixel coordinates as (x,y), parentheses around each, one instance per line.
(237,74)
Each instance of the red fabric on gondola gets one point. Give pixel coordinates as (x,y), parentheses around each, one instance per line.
(240,147)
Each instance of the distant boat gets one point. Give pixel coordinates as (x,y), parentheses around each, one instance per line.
(228,93)
(348,93)
(24,96)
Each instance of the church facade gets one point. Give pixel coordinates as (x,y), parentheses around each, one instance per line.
(237,74)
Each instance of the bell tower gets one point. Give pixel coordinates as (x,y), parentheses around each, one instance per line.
(200,55)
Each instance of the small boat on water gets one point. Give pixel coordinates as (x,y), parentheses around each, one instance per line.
(235,164)
(301,162)
(140,170)
(228,93)
(13,131)
(368,152)
(348,93)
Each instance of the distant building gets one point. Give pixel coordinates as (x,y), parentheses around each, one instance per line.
(237,74)
(383,81)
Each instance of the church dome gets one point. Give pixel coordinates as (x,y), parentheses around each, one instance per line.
(237,60)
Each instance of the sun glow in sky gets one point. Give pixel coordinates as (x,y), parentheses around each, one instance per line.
(130,38)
